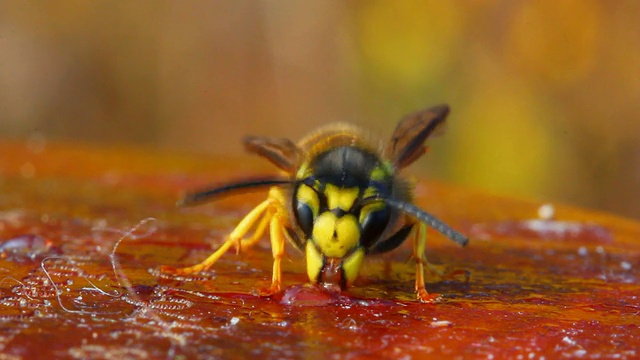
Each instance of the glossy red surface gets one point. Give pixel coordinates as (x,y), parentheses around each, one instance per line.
(83,232)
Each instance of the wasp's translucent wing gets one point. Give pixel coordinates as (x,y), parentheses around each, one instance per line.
(283,153)
(407,142)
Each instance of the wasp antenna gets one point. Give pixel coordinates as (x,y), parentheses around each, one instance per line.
(428,219)
(224,190)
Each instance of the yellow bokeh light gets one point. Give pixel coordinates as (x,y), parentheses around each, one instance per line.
(409,41)
(505,145)
(554,40)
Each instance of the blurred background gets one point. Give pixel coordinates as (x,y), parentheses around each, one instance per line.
(545,95)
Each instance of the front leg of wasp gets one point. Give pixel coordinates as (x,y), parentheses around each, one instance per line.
(419,245)
(260,215)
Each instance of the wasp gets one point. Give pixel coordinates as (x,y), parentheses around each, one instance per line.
(337,198)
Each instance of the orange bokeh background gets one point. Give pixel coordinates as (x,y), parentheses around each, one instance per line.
(545,95)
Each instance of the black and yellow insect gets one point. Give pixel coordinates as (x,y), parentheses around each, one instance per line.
(338,198)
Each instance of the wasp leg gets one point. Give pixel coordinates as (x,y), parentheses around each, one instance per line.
(276,229)
(257,235)
(418,253)
(235,238)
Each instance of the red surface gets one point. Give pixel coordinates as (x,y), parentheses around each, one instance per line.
(566,287)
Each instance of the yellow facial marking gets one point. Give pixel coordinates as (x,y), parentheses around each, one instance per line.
(351,265)
(314,262)
(369,208)
(336,236)
(308,196)
(370,192)
(338,198)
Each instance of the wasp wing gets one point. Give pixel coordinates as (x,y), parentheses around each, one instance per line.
(283,153)
(407,142)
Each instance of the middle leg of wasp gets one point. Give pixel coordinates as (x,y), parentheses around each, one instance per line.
(246,243)
(418,253)
(262,213)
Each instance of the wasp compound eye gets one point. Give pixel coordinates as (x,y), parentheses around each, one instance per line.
(306,206)
(373,221)
(304,217)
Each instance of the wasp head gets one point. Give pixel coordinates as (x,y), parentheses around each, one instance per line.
(333,207)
